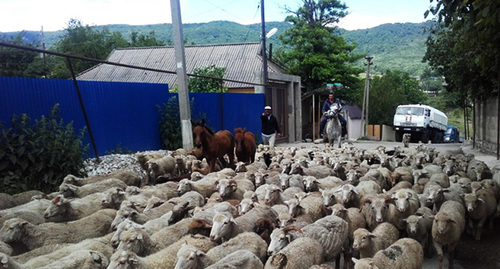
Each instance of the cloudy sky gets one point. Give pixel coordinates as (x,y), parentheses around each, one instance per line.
(16,15)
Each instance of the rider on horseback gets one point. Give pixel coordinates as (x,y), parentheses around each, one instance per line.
(331,99)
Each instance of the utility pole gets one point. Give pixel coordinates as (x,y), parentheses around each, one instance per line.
(366,98)
(180,59)
(267,98)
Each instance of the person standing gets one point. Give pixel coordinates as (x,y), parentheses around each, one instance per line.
(270,127)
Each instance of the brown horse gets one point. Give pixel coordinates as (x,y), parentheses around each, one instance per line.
(245,145)
(215,146)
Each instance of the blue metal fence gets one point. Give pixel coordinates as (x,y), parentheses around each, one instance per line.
(122,114)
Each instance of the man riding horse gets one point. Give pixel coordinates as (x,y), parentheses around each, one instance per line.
(331,99)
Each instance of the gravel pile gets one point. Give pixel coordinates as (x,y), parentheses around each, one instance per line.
(114,162)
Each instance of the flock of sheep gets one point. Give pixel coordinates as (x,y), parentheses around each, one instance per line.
(290,208)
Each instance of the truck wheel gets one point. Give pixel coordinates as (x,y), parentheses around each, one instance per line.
(399,136)
(435,137)
(425,137)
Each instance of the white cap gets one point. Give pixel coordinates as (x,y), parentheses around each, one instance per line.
(267,107)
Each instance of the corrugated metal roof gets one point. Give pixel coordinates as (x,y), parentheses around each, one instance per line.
(354,111)
(242,62)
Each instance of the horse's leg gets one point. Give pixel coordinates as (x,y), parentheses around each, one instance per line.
(211,164)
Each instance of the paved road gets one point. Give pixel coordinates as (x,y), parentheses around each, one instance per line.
(471,253)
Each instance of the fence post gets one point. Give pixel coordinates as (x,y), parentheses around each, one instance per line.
(80,99)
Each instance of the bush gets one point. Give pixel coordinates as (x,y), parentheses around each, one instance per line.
(39,156)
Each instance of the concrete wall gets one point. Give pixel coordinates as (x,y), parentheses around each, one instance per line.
(388,133)
(486,113)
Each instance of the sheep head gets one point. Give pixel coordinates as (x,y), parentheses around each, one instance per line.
(222,227)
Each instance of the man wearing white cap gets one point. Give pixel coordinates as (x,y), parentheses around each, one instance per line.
(270,127)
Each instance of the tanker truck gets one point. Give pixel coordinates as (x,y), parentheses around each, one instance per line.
(423,122)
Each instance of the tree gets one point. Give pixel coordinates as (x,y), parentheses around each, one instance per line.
(313,49)
(145,40)
(87,42)
(470,30)
(197,84)
(388,91)
(15,62)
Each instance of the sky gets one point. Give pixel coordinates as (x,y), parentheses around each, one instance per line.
(53,15)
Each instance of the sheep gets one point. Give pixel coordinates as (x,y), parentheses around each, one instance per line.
(224,226)
(312,184)
(143,158)
(350,196)
(264,227)
(272,195)
(5,248)
(238,259)
(308,209)
(405,253)
(441,179)
(204,186)
(172,233)
(162,167)
(330,196)
(419,226)
(35,207)
(165,258)
(318,171)
(378,209)
(139,241)
(84,259)
(302,252)
(19,230)
(287,181)
(247,241)
(447,227)
(368,243)
(402,173)
(406,201)
(438,195)
(69,190)
(478,170)
(124,226)
(228,189)
(480,206)
(72,209)
(129,177)
(8,201)
(368,187)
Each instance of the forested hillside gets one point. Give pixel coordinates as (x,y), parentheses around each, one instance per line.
(399,46)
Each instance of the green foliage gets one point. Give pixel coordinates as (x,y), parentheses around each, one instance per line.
(19,63)
(87,42)
(119,149)
(390,90)
(38,156)
(201,84)
(313,51)
(140,40)
(464,48)
(170,123)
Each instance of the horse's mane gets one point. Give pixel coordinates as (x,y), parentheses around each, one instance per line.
(202,124)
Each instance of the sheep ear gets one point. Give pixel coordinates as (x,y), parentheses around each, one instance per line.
(139,237)
(354,260)
(23,223)
(405,220)
(480,199)
(289,238)
(372,235)
(200,253)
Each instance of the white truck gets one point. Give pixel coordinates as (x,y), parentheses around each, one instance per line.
(423,122)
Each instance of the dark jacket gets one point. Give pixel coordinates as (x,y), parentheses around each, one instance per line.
(326,105)
(269,126)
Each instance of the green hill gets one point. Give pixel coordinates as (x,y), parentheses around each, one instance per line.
(394,46)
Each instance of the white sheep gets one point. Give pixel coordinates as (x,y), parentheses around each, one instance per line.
(204,186)
(84,259)
(447,228)
(309,209)
(34,236)
(378,209)
(406,201)
(35,208)
(69,190)
(162,167)
(63,209)
(405,253)
(229,189)
(312,184)
(128,176)
(302,252)
(165,258)
(368,243)
(224,226)
(8,201)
